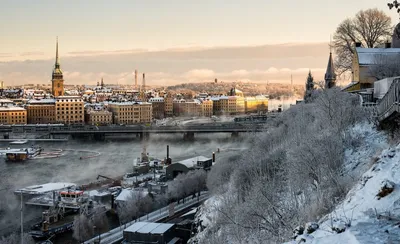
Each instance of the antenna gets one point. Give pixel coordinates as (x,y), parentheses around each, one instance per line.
(136,79)
(330,44)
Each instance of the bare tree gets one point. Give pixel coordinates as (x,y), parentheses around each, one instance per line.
(15,238)
(83,229)
(369,27)
(99,219)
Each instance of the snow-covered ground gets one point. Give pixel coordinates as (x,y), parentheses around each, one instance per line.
(363,216)
(370,212)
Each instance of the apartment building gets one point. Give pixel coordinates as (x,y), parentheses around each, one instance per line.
(41,111)
(10,115)
(131,112)
(69,110)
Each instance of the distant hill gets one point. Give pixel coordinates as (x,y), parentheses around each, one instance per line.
(274,90)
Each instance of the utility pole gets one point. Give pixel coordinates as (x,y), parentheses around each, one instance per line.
(22,220)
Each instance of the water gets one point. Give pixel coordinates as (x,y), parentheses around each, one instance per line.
(116,158)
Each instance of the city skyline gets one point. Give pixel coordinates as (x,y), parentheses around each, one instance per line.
(112,40)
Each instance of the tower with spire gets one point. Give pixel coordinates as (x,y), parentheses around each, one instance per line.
(330,76)
(57,80)
(102,83)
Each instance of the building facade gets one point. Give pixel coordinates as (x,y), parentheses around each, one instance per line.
(57,80)
(158,106)
(98,117)
(257,104)
(69,110)
(206,107)
(130,113)
(169,107)
(182,107)
(10,115)
(41,111)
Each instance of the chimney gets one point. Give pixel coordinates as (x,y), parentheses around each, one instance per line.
(167,151)
(135,79)
(388,45)
(358,44)
(213,157)
(144,82)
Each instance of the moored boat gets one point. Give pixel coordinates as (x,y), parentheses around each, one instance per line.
(22,154)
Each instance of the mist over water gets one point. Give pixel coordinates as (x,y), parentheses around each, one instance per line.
(116,159)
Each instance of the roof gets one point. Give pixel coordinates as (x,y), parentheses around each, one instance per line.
(127,194)
(330,71)
(5,101)
(147,227)
(48,100)
(367,56)
(191,162)
(48,187)
(129,103)
(11,109)
(156,99)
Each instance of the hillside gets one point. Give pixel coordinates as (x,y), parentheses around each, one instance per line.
(274,90)
(320,168)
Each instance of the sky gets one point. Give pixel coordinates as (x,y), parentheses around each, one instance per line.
(156,32)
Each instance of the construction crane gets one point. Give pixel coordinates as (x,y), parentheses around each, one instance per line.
(114,181)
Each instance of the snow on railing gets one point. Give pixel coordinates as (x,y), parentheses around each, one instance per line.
(390,99)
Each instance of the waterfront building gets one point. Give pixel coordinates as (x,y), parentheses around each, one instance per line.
(57,80)
(169,108)
(98,116)
(10,115)
(206,107)
(131,112)
(41,111)
(158,105)
(257,104)
(182,107)
(69,110)
(228,105)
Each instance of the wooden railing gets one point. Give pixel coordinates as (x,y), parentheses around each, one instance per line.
(390,102)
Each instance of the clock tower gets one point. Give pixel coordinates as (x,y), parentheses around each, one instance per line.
(57,80)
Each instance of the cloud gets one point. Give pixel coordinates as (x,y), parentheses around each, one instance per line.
(199,74)
(273,63)
(32,54)
(6,55)
(102,52)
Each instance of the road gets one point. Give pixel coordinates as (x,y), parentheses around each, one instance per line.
(116,234)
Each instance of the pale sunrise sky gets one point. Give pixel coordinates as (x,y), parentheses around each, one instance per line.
(92,27)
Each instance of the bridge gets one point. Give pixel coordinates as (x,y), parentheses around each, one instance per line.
(99,132)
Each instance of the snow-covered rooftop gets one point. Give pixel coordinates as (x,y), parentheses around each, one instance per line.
(128,194)
(192,162)
(147,227)
(40,101)
(368,56)
(48,187)
(11,108)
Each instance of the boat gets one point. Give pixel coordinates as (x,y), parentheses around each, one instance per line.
(22,154)
(19,142)
(60,218)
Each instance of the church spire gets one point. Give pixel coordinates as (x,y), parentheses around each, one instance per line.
(330,76)
(57,65)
